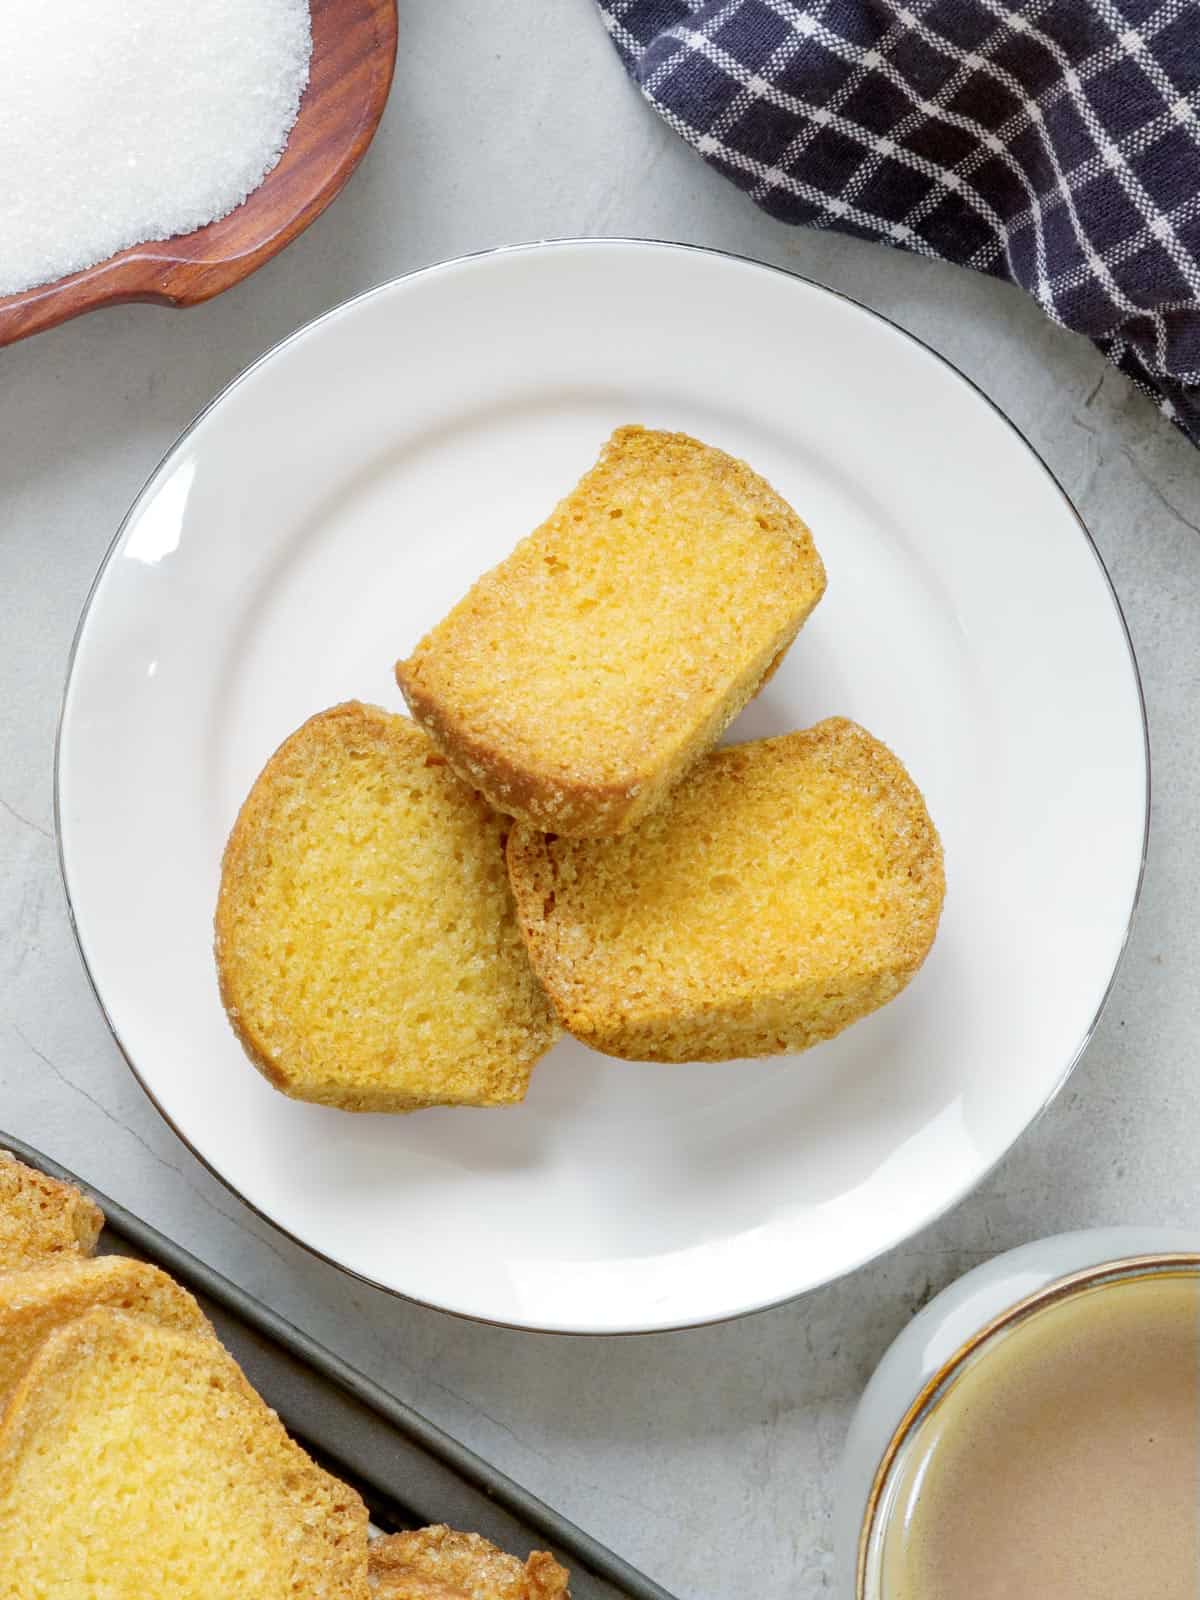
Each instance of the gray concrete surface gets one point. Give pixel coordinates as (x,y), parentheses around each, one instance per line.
(706,1457)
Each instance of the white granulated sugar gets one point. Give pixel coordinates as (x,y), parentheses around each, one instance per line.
(123,121)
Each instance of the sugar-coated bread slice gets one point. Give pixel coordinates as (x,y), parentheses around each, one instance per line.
(42,1219)
(788,887)
(577,681)
(406,1583)
(439,1563)
(367,950)
(136,1463)
(37,1300)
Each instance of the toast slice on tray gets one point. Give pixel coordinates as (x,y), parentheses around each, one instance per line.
(577,681)
(137,1463)
(36,1301)
(367,948)
(787,888)
(440,1563)
(41,1219)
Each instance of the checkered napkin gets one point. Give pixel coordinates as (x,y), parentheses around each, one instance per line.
(1052,142)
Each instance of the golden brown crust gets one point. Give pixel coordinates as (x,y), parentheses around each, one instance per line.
(439,1563)
(406,1584)
(635,758)
(493,1071)
(562,804)
(42,1219)
(627,935)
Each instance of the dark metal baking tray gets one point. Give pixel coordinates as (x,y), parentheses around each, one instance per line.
(408,1470)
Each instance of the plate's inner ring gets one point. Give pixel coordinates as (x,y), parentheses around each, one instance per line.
(342,495)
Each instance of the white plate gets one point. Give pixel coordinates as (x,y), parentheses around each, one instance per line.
(333,503)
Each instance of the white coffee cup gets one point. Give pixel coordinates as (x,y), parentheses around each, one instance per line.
(924,1358)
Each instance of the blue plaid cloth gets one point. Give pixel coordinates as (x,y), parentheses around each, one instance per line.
(1055,143)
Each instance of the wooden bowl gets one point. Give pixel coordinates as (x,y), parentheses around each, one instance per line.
(353,56)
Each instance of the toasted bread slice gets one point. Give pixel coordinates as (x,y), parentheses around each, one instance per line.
(35,1301)
(439,1563)
(136,1463)
(405,1583)
(788,887)
(577,681)
(366,945)
(42,1219)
